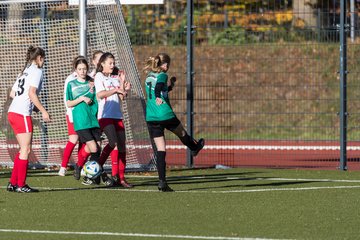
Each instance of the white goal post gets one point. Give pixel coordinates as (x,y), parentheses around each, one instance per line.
(54,26)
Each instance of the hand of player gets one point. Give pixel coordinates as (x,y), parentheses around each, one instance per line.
(159,101)
(120,90)
(127,86)
(86,100)
(91,85)
(46,116)
(172,81)
(121,76)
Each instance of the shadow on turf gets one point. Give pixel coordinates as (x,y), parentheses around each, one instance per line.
(235,178)
(201,178)
(254,185)
(72,189)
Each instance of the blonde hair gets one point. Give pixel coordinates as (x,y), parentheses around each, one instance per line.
(153,64)
(95,53)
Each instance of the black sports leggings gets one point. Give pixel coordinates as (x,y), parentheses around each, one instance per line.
(111,134)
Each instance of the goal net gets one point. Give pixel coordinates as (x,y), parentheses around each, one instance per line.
(54,26)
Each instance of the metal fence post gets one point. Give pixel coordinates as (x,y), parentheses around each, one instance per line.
(82,27)
(189,75)
(343,97)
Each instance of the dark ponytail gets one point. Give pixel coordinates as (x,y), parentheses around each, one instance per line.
(31,54)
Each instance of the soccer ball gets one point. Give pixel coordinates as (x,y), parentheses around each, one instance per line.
(92,169)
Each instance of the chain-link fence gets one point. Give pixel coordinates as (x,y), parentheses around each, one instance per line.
(267,89)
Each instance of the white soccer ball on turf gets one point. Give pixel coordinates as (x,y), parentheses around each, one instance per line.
(92,169)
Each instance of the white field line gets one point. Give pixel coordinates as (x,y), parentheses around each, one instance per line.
(237,191)
(214,147)
(227,178)
(127,234)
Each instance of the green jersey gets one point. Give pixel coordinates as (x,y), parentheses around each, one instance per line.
(84,115)
(156,112)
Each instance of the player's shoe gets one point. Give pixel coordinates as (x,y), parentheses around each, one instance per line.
(200,145)
(163,187)
(87,181)
(106,180)
(125,184)
(62,172)
(97,180)
(26,189)
(77,172)
(116,180)
(11,188)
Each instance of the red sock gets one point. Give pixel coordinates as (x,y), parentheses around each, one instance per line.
(114,162)
(82,156)
(14,173)
(105,154)
(122,165)
(22,171)
(67,153)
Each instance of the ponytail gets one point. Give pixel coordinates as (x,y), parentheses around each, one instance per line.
(31,54)
(153,64)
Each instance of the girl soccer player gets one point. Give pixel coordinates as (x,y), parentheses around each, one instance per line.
(160,115)
(95,60)
(80,95)
(73,137)
(110,89)
(25,97)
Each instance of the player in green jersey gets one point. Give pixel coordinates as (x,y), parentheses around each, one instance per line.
(160,115)
(81,96)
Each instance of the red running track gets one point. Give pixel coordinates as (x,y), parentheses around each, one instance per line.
(269,154)
(266,154)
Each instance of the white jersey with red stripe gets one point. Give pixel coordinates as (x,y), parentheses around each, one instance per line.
(92,73)
(32,76)
(71,77)
(109,107)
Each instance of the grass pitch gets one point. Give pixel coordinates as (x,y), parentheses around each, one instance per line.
(206,204)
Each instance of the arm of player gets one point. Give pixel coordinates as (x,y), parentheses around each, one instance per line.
(73,103)
(125,86)
(12,94)
(107,93)
(35,100)
(159,87)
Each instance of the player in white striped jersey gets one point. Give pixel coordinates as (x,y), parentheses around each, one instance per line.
(110,89)
(25,98)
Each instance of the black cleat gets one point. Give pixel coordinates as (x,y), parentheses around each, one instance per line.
(77,172)
(87,181)
(97,180)
(106,180)
(26,189)
(200,145)
(116,180)
(163,187)
(11,188)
